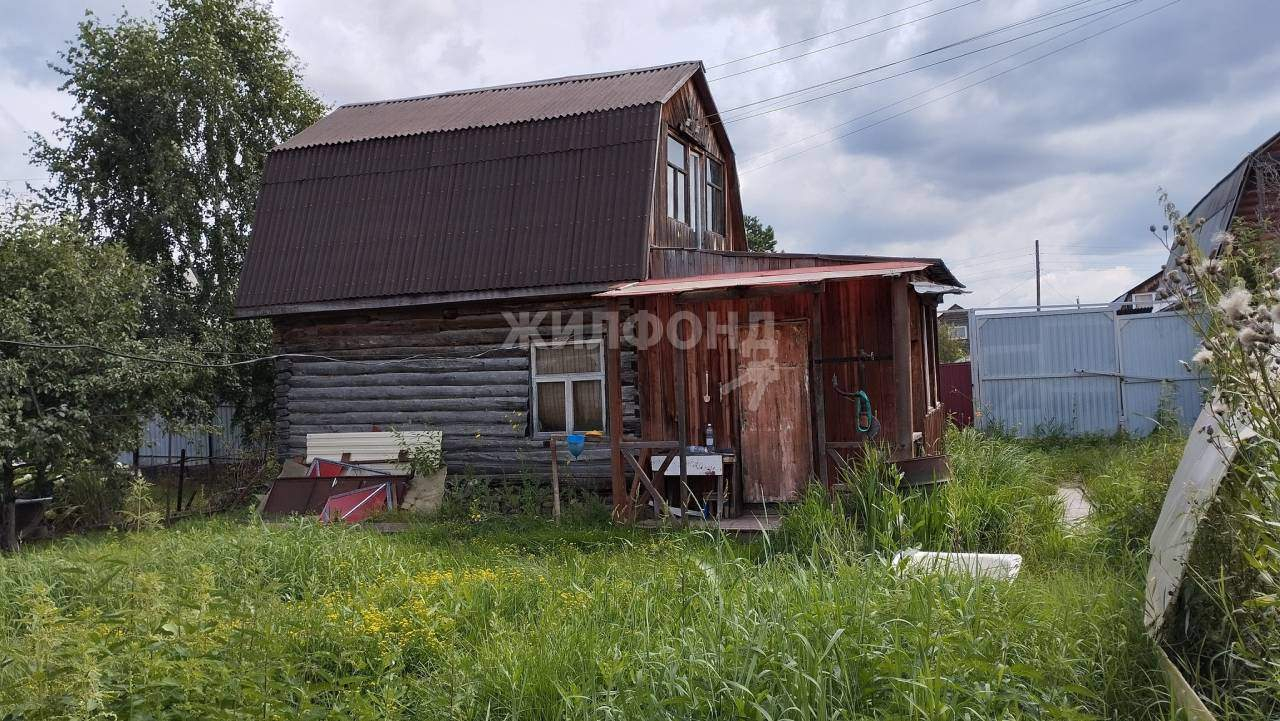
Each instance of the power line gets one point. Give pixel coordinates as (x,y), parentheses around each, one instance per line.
(988,260)
(964,88)
(819,35)
(755,114)
(928,90)
(1010,289)
(846,42)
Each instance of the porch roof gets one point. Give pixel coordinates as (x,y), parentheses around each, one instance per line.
(785,276)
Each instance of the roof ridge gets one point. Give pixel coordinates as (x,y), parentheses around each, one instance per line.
(528,84)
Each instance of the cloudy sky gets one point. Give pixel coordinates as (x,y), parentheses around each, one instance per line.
(1071,148)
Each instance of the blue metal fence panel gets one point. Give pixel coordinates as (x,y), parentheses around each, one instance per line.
(161,445)
(1155,359)
(1080,371)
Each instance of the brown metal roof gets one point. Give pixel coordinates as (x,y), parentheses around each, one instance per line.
(499,105)
(784,276)
(540,185)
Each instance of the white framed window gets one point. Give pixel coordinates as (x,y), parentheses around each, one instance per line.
(715,195)
(959,332)
(1144,300)
(567,380)
(677,181)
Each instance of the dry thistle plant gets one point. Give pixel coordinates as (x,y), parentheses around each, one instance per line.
(1231,295)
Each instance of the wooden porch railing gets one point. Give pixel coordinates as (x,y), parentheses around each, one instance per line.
(935,426)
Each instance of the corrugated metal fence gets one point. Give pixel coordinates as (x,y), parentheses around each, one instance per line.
(161,446)
(1081,370)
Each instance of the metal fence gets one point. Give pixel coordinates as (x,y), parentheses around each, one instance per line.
(162,446)
(1081,370)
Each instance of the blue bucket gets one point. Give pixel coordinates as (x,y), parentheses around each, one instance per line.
(576,442)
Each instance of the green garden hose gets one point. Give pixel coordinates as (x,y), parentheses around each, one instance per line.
(862,410)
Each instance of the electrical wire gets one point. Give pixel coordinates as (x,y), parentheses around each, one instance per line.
(819,35)
(928,90)
(846,42)
(256,359)
(1009,290)
(721,113)
(962,89)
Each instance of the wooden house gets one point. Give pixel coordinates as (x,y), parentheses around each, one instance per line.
(1250,192)
(514,263)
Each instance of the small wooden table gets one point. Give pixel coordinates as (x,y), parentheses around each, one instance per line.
(702,465)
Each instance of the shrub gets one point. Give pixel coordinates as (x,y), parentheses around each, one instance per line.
(1231,600)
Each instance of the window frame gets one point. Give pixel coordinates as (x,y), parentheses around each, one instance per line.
(682,172)
(1142,301)
(567,379)
(712,192)
(958,331)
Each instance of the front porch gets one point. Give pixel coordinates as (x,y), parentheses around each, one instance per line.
(752,385)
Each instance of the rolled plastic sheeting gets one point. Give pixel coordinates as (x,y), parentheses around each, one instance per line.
(1002,566)
(1205,459)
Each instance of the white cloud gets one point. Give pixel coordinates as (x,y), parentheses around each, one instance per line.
(1069,150)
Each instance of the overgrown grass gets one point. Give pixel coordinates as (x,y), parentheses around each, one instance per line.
(524,619)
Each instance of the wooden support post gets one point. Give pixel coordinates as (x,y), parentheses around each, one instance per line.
(182,477)
(682,427)
(555,481)
(613,390)
(903,410)
(818,389)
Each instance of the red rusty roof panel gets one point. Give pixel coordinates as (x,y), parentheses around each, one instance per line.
(783,276)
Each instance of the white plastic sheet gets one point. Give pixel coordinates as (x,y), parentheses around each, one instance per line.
(1002,566)
(1205,460)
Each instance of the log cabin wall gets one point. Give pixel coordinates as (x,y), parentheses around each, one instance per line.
(685,116)
(469,384)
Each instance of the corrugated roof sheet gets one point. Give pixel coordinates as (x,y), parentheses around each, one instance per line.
(562,201)
(785,276)
(501,105)
(529,186)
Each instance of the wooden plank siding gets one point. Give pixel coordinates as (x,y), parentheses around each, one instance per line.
(1253,207)
(467,383)
(856,319)
(684,116)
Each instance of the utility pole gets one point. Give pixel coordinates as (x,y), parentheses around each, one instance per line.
(1037,274)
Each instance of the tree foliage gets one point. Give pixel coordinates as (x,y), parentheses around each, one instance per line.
(63,409)
(759,236)
(950,348)
(163,153)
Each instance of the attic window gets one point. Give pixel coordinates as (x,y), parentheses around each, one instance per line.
(715,195)
(677,181)
(568,386)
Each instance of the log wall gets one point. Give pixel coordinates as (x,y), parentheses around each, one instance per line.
(449,369)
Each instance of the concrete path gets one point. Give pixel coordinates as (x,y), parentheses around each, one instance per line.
(1075,506)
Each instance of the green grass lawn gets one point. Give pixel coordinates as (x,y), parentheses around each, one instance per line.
(521,619)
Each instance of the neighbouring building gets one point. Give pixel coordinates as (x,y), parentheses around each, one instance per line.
(486,262)
(1251,191)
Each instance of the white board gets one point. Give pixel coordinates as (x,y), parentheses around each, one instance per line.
(368,446)
(699,465)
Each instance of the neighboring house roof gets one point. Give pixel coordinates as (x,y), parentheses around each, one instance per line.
(470,194)
(1218,207)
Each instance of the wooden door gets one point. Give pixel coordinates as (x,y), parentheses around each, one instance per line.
(773,403)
